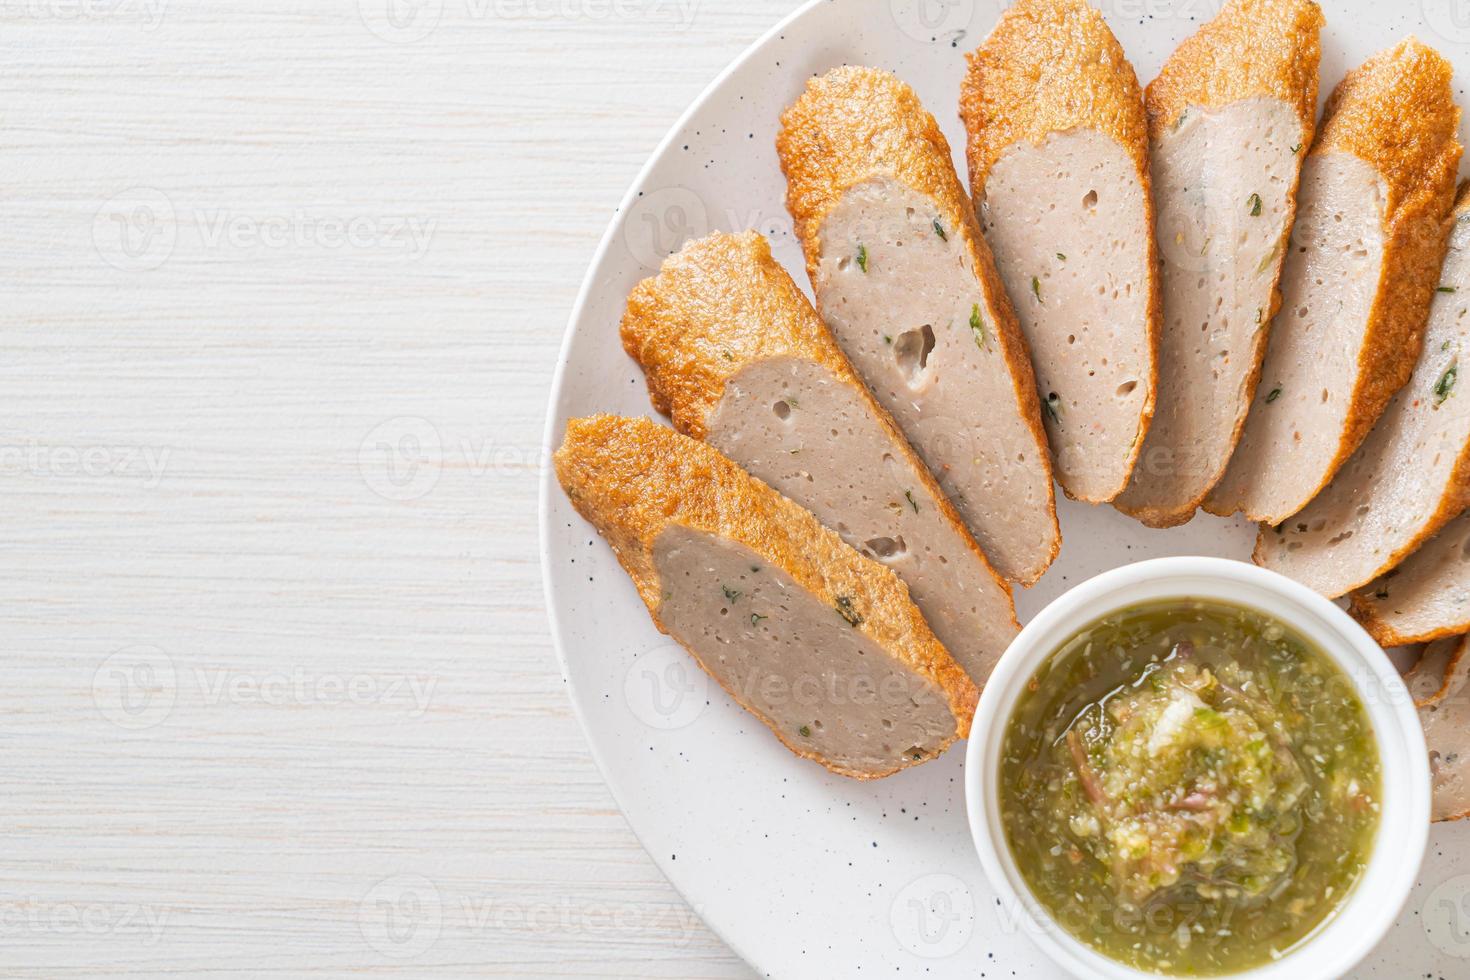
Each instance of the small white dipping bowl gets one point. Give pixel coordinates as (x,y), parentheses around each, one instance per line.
(1403,833)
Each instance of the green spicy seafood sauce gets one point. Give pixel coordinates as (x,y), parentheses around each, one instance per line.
(1190,787)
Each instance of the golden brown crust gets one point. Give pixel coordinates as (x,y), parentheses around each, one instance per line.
(1156,517)
(1364,607)
(1384,633)
(633,478)
(856,124)
(1253,48)
(1450,506)
(1051,66)
(1445,678)
(717,306)
(1397,113)
(849,126)
(723,303)
(1442,755)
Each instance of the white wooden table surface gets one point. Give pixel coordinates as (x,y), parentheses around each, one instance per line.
(282,284)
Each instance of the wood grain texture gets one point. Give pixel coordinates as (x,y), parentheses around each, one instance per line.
(282,299)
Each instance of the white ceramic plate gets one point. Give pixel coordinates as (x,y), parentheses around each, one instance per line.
(802,873)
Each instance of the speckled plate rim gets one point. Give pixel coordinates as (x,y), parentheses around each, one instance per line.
(552,432)
(1105,540)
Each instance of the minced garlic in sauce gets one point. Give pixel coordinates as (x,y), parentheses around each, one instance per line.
(1190,787)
